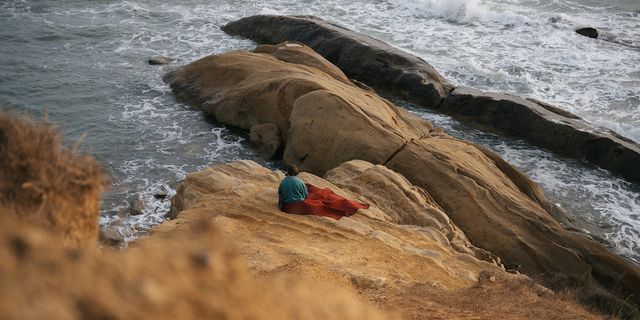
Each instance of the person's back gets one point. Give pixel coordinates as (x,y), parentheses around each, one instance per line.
(292,189)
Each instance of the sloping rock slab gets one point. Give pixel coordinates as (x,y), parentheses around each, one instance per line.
(487,204)
(418,271)
(548,127)
(387,69)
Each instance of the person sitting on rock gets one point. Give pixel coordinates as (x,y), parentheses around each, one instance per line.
(297,197)
(292,189)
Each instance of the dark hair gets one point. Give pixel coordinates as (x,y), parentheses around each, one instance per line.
(292,170)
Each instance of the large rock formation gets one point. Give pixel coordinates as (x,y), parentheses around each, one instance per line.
(247,89)
(396,73)
(547,126)
(424,270)
(47,184)
(326,121)
(387,69)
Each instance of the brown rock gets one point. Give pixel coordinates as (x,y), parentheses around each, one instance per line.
(190,273)
(387,69)
(504,212)
(266,137)
(257,88)
(396,73)
(137,206)
(409,269)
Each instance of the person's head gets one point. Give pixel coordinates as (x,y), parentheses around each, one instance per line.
(292,170)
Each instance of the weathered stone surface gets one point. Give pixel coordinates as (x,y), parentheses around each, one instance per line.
(398,201)
(244,89)
(191,272)
(486,201)
(588,32)
(266,137)
(405,268)
(548,127)
(387,69)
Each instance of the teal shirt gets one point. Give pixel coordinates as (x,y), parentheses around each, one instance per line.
(292,189)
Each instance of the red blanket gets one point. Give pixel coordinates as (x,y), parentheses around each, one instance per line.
(324,202)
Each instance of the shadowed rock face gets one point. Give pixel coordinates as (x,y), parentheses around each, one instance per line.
(404,76)
(326,121)
(546,126)
(385,68)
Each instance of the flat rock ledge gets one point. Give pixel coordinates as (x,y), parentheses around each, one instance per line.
(396,73)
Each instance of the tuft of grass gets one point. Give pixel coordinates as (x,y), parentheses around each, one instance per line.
(47,184)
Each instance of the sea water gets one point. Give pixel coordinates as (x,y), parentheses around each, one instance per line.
(84,62)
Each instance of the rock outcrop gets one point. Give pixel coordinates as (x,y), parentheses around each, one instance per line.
(50,268)
(387,69)
(326,121)
(424,270)
(260,88)
(546,126)
(393,72)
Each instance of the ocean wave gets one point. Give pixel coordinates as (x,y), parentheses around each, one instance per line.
(463,11)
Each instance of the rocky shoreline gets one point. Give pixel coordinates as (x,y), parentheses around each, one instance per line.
(323,120)
(398,74)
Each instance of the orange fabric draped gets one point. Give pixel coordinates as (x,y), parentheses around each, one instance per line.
(324,202)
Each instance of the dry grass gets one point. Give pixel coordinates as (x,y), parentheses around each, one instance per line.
(47,184)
